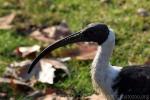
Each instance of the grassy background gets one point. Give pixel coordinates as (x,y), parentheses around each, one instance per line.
(132,31)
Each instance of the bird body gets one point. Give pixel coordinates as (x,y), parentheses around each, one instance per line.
(133,83)
(116,83)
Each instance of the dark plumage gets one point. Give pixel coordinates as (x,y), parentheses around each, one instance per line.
(133,82)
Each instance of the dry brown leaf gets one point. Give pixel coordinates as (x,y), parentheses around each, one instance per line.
(6,21)
(55,97)
(58,31)
(17,85)
(86,56)
(50,90)
(38,35)
(46,71)
(64,59)
(66,52)
(27,51)
(52,33)
(35,94)
(18,70)
(81,51)
(50,69)
(38,95)
(95,97)
(87,51)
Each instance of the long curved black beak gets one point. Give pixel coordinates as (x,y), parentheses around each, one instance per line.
(96,33)
(76,37)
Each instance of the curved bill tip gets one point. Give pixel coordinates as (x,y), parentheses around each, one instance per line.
(30,68)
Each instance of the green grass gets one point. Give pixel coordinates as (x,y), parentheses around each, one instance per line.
(121,15)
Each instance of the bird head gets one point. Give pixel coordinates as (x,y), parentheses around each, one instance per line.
(92,33)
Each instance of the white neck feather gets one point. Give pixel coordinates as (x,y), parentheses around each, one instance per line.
(100,65)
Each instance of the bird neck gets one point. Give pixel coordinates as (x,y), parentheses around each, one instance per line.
(100,66)
(100,71)
(103,54)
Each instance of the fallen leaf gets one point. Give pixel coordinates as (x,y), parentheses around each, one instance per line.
(16,85)
(66,52)
(49,91)
(21,64)
(87,51)
(142,12)
(46,75)
(35,94)
(55,97)
(95,97)
(27,51)
(57,31)
(81,51)
(65,59)
(50,71)
(18,70)
(46,71)
(46,93)
(5,22)
(41,37)
(52,33)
